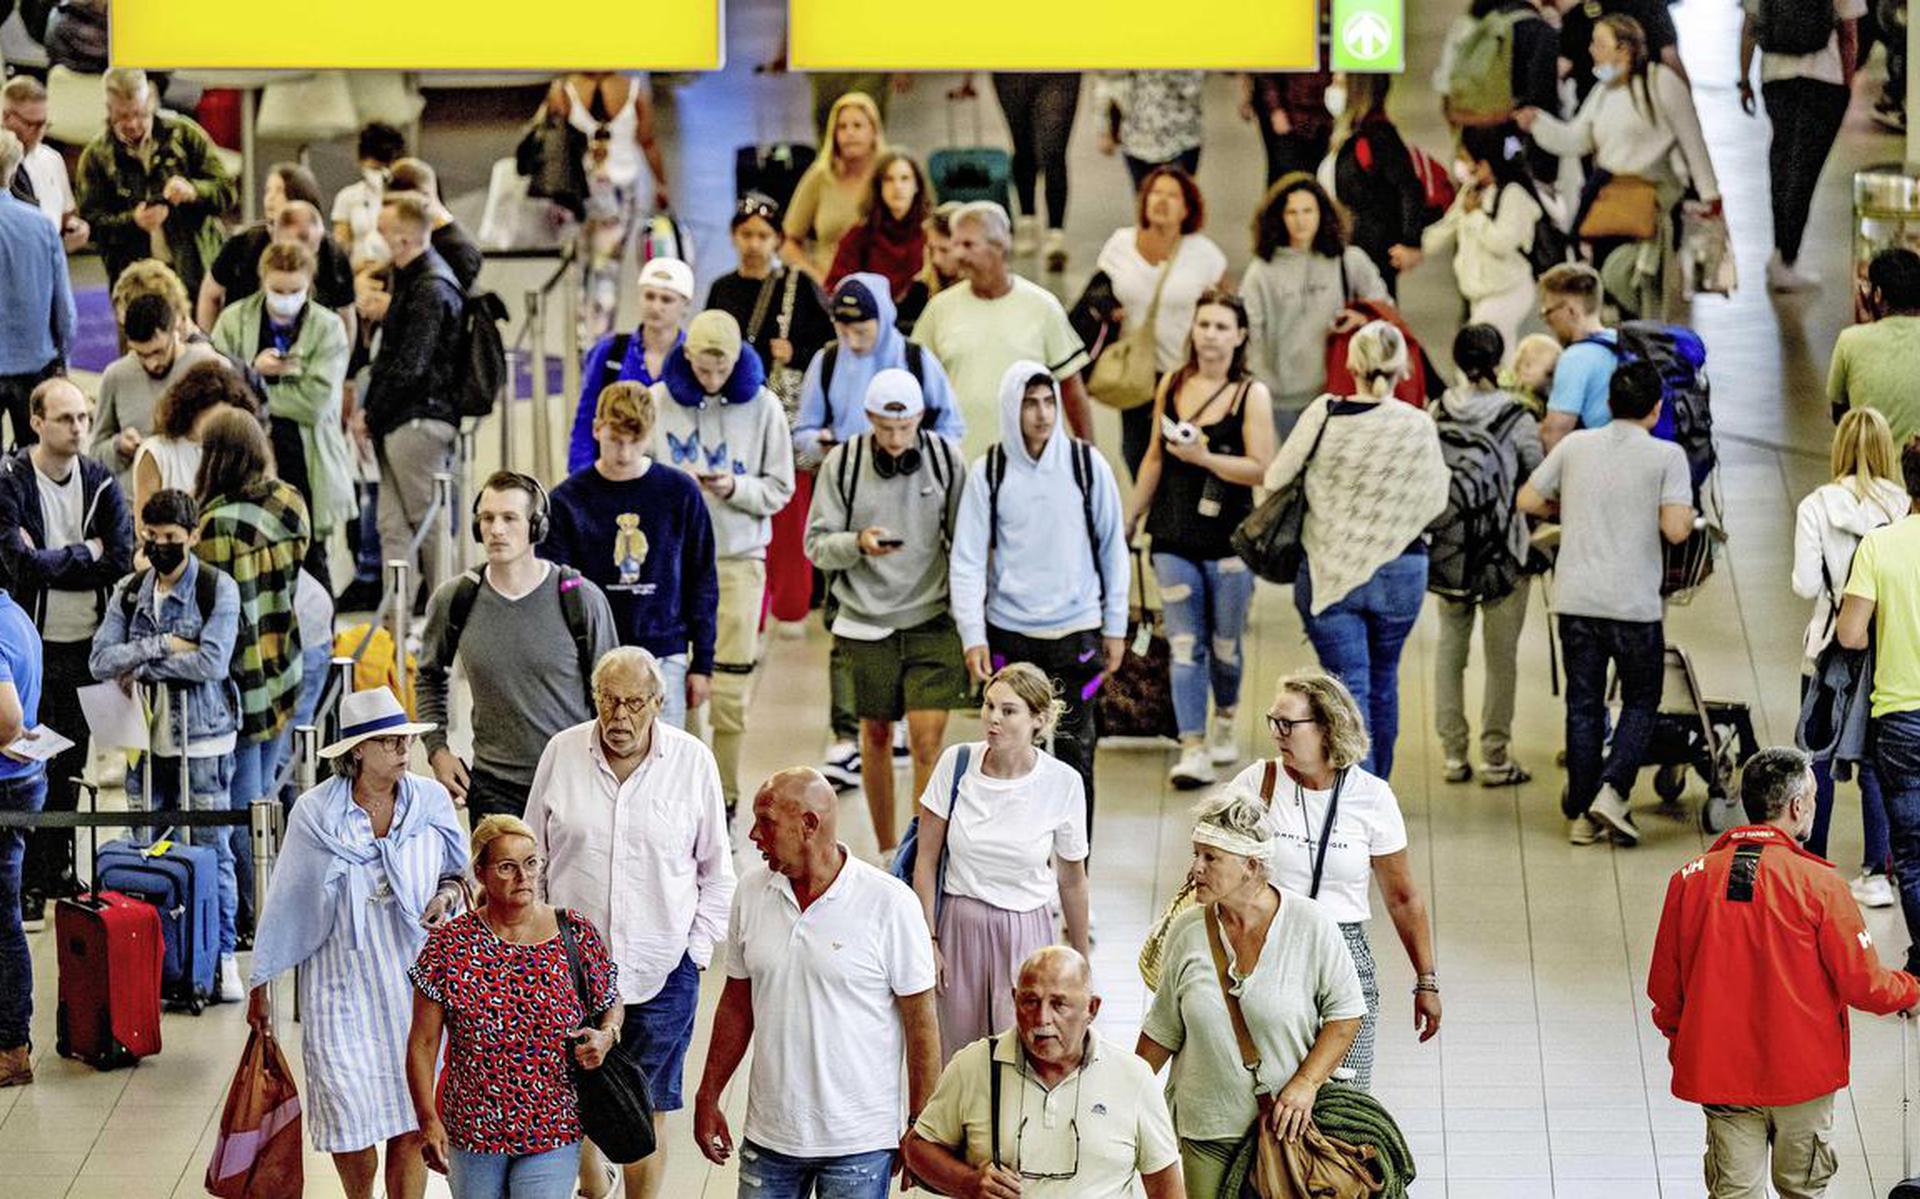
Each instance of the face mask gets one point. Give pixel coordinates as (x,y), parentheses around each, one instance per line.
(1463,173)
(166,556)
(1605,73)
(286,307)
(1336,100)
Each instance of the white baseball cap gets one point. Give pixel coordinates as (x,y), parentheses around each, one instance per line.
(895,394)
(668,274)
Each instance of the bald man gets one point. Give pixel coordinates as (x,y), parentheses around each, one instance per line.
(830,976)
(1077,1114)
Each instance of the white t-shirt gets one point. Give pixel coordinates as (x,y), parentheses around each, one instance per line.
(1823,64)
(1197,265)
(976,341)
(828,1043)
(357,206)
(70,614)
(1008,830)
(1368,825)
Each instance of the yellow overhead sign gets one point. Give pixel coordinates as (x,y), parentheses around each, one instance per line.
(1040,35)
(418,35)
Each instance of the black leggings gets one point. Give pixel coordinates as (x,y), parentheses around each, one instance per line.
(1806,116)
(1039,108)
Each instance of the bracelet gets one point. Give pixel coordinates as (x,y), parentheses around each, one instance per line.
(1429,988)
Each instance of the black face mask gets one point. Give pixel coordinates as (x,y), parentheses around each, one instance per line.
(166,556)
(903,464)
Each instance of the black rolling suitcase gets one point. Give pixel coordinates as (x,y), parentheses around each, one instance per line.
(1910,1187)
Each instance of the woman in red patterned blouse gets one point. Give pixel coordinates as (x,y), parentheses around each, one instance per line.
(497,982)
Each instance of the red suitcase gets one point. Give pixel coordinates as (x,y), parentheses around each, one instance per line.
(111,953)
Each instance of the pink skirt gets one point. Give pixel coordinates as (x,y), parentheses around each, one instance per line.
(984,947)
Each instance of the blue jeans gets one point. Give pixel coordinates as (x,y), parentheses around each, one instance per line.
(1359,639)
(549,1175)
(1873,814)
(209,783)
(1637,651)
(1896,753)
(1206,608)
(25,794)
(251,774)
(673,696)
(765,1174)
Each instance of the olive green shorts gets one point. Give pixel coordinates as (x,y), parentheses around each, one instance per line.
(921,669)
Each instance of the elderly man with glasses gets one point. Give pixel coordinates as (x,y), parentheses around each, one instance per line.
(626,810)
(1049,1107)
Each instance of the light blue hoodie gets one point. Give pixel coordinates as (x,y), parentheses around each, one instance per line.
(1041,580)
(851,374)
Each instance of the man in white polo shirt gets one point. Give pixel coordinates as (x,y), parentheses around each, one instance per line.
(626,809)
(830,976)
(1054,1112)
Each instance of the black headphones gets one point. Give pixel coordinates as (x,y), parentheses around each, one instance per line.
(514,480)
(905,463)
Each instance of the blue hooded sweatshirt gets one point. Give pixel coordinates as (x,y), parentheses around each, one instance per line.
(851,374)
(598,373)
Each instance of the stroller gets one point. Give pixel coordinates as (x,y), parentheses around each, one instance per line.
(1691,732)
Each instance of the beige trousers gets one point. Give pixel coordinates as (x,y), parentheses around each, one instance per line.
(1793,1144)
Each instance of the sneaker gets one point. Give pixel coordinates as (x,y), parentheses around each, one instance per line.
(1782,276)
(1026,236)
(1457,770)
(1222,748)
(842,765)
(33,912)
(16,1067)
(1054,250)
(1611,810)
(66,886)
(901,749)
(230,989)
(1582,830)
(1508,773)
(1194,769)
(361,595)
(1873,890)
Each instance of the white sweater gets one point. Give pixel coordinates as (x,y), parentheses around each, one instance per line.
(1616,126)
(1827,530)
(1490,252)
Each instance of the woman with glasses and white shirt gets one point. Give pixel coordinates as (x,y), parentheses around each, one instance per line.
(1339,827)
(1013,828)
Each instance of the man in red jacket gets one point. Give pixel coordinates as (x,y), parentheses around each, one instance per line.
(1760,953)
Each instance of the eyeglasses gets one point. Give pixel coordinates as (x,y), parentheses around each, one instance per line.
(1547,310)
(512,869)
(631,705)
(1073,1126)
(395,743)
(1280,726)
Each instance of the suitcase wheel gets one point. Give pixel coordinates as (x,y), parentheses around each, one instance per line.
(61,1045)
(1670,782)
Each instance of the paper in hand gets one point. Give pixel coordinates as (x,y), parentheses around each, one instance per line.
(115,717)
(38,744)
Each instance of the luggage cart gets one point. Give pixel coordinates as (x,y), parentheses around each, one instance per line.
(1710,737)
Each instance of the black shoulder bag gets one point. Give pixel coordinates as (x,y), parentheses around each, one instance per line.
(1270,539)
(616,1112)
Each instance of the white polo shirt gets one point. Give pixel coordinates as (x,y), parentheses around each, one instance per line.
(1109,1116)
(647,860)
(828,1043)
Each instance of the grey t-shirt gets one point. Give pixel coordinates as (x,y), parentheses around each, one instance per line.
(1611,483)
(522,666)
(128,396)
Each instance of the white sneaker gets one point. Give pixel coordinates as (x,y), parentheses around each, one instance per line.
(1054,250)
(1194,769)
(1222,748)
(1783,276)
(1873,890)
(230,989)
(1026,235)
(842,764)
(1610,811)
(1584,830)
(901,748)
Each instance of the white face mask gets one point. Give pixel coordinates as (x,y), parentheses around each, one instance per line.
(1336,100)
(1605,73)
(286,306)
(1463,173)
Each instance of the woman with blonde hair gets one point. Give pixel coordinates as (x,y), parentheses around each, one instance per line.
(1340,830)
(1866,493)
(1374,481)
(1003,831)
(1294,984)
(831,196)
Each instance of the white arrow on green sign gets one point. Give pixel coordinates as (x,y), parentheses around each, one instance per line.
(1369,35)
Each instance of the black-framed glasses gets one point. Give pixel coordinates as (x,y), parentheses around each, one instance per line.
(1280,726)
(393,743)
(1073,1126)
(632,705)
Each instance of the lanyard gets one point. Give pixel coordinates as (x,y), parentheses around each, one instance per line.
(1326,829)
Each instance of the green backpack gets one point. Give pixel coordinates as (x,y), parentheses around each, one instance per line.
(1480,83)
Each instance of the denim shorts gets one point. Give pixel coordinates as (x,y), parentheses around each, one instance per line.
(655,1034)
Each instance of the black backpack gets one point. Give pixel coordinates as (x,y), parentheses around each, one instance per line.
(480,358)
(1794,26)
(916,366)
(1082,477)
(1550,245)
(1470,550)
(573,606)
(206,592)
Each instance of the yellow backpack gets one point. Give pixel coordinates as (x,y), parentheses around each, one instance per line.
(372,649)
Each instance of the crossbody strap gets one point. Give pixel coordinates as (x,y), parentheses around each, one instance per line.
(761,302)
(993,1096)
(1249,1054)
(575,967)
(1326,832)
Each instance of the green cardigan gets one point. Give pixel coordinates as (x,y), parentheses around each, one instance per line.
(308,395)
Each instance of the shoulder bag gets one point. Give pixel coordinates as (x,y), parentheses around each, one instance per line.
(1123,375)
(1269,540)
(616,1112)
(908,852)
(783,380)
(1152,953)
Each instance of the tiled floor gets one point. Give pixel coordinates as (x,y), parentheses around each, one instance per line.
(1548,1079)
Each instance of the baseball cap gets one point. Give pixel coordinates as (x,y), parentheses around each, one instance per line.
(853,302)
(668,274)
(714,332)
(895,395)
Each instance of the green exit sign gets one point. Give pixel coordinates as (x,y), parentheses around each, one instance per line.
(1369,35)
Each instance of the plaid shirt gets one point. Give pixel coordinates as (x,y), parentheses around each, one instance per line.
(260,537)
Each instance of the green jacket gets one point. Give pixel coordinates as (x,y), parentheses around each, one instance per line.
(113,181)
(308,395)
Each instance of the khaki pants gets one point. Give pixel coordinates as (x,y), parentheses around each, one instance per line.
(736,644)
(1801,1141)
